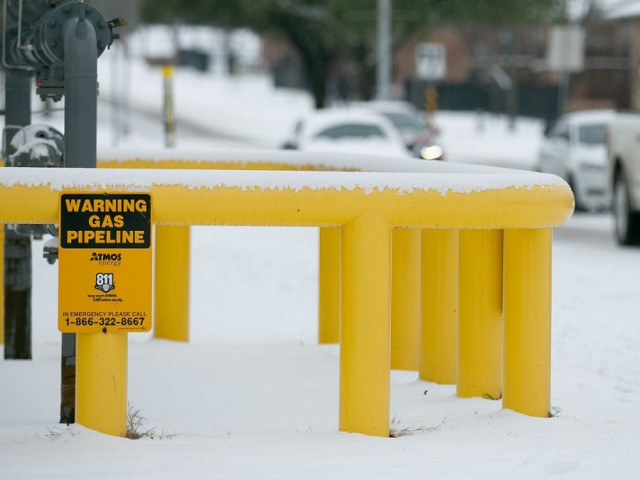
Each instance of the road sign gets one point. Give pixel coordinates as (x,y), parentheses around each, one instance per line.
(104,274)
(431,61)
(565,52)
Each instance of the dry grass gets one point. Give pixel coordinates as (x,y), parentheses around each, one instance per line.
(136,429)
(396,429)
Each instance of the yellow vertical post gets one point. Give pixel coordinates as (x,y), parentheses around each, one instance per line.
(480,322)
(169,124)
(364,341)
(101,382)
(405,299)
(1,283)
(527,312)
(329,265)
(171,283)
(439,336)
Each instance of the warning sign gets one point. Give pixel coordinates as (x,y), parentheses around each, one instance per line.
(105,263)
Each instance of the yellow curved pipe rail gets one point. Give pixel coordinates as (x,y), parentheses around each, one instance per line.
(366,207)
(30,195)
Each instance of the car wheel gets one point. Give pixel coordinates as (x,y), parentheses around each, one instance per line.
(627,224)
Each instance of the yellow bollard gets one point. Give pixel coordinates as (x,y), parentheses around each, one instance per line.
(171,296)
(480,321)
(439,338)
(101,382)
(405,299)
(364,341)
(329,285)
(168,111)
(527,312)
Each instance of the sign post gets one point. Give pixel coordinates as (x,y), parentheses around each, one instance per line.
(565,54)
(431,65)
(105,286)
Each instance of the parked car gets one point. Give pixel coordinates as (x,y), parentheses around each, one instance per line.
(623,152)
(346,130)
(419,137)
(574,148)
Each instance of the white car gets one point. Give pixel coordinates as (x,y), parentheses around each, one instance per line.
(574,148)
(337,130)
(623,149)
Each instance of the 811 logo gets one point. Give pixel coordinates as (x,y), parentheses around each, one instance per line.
(104,282)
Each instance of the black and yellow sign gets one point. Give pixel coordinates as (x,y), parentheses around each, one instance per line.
(105,262)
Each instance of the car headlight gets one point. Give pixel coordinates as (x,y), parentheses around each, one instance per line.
(432,152)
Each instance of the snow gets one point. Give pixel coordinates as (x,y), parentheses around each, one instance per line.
(372,162)
(486,139)
(440,180)
(253,395)
(255,113)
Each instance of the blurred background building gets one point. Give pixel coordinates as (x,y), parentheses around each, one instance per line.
(497,69)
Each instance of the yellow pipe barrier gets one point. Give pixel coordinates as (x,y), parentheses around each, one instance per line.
(171,295)
(439,338)
(527,317)
(366,206)
(329,264)
(101,382)
(179,164)
(364,345)
(176,202)
(480,315)
(405,299)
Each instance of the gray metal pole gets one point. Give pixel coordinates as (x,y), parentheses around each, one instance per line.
(80,123)
(17,248)
(81,93)
(384,50)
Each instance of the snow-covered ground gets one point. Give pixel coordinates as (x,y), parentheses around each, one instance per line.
(252,395)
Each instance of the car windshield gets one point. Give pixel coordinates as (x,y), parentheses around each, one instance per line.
(593,134)
(403,121)
(351,130)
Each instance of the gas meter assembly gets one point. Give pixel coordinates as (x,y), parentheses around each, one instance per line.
(36,35)
(57,42)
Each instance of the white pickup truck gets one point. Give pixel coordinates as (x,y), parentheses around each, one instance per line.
(623,152)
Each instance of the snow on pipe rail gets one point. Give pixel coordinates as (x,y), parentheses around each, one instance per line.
(406,192)
(495,221)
